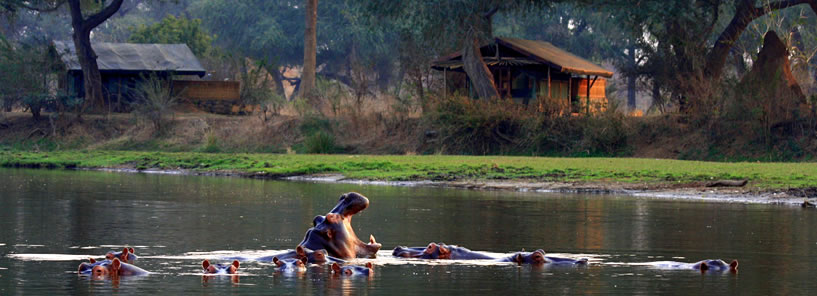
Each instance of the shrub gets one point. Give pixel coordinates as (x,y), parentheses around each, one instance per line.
(320,142)
(154,101)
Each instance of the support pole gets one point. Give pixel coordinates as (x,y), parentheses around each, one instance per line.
(588,95)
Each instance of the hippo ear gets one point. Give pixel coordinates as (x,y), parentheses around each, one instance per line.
(369,265)
(109,255)
(277,261)
(116,263)
(125,251)
(82,266)
(733,267)
(300,251)
(205,263)
(236,264)
(132,251)
(92,260)
(444,250)
(335,268)
(518,258)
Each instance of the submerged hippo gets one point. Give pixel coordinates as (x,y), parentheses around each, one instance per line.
(290,265)
(352,270)
(439,251)
(314,257)
(220,268)
(708,265)
(112,268)
(334,232)
(127,255)
(443,251)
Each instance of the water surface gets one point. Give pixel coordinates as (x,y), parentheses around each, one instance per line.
(51,220)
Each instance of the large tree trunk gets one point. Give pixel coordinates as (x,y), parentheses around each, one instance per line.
(631,79)
(474,66)
(310,48)
(85,53)
(745,13)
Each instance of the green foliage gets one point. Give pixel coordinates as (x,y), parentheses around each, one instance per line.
(154,101)
(27,69)
(321,143)
(174,30)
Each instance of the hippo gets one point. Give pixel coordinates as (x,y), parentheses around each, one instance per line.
(708,265)
(127,255)
(443,251)
(291,264)
(439,251)
(334,232)
(112,268)
(353,270)
(220,268)
(314,257)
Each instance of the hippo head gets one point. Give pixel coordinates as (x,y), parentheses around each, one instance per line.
(220,268)
(436,251)
(535,258)
(290,265)
(126,255)
(317,256)
(105,268)
(432,251)
(351,270)
(334,232)
(718,265)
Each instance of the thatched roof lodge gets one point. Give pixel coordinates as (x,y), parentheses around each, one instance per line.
(538,73)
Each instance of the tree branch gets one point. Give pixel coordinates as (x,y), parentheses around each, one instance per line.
(95,20)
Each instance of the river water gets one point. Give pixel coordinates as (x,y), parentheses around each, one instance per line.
(51,220)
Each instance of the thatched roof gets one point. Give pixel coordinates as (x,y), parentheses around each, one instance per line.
(538,52)
(134,58)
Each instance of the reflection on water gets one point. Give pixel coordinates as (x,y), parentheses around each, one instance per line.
(52,220)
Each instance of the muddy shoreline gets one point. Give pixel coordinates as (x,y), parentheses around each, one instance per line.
(677,191)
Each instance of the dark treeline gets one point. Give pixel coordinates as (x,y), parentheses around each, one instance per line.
(687,63)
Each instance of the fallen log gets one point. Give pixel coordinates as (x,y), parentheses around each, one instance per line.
(727,183)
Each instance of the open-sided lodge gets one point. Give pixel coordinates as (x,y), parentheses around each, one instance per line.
(124,65)
(537,73)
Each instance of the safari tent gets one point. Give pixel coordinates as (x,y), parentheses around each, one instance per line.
(123,66)
(535,73)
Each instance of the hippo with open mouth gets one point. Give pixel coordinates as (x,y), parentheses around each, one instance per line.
(334,232)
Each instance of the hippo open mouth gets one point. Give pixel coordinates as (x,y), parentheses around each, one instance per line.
(334,232)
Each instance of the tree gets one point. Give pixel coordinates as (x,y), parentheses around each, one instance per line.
(85,53)
(745,13)
(174,30)
(310,49)
(464,23)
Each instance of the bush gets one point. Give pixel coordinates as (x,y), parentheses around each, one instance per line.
(482,126)
(321,143)
(154,101)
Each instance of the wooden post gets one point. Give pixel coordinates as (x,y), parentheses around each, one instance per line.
(569,97)
(588,95)
(550,91)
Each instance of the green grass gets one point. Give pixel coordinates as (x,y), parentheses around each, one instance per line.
(433,167)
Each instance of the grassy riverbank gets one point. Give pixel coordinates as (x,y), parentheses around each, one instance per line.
(436,167)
